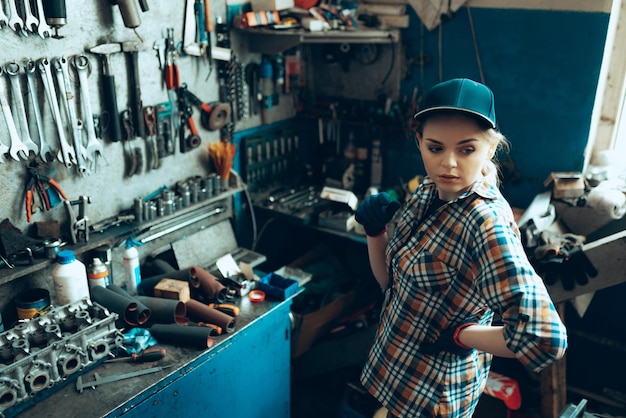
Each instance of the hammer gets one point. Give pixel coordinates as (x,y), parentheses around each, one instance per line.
(108,88)
(136,105)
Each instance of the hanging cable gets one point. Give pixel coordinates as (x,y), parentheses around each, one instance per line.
(478,61)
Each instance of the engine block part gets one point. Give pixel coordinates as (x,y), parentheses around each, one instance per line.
(37,354)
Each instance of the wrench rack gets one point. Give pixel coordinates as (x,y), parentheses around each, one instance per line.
(48,350)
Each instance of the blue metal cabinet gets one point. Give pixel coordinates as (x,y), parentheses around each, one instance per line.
(247,375)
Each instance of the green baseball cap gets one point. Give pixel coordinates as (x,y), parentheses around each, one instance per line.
(460,94)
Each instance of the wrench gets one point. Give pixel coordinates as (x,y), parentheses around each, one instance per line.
(18,149)
(12,69)
(46,152)
(30,20)
(67,155)
(149,116)
(4,19)
(15,21)
(94,146)
(43,29)
(63,79)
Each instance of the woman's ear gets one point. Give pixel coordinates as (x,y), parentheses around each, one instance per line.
(418,139)
(492,152)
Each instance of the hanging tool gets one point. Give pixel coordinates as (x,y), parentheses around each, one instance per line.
(190,46)
(56,15)
(187,142)
(46,153)
(15,21)
(61,67)
(30,20)
(213,116)
(227,308)
(12,69)
(133,155)
(146,356)
(67,155)
(93,148)
(151,137)
(38,182)
(18,149)
(130,14)
(43,29)
(80,386)
(108,88)
(79,228)
(136,105)
(172,78)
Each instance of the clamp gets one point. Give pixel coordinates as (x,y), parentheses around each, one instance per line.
(79,227)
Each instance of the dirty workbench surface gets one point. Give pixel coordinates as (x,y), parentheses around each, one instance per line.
(99,401)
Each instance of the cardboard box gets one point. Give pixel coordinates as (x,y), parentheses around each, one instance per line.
(567,184)
(172,289)
(258,5)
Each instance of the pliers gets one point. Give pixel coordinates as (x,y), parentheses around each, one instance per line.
(36,183)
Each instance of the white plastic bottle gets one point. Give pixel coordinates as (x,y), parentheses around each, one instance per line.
(132,274)
(70,278)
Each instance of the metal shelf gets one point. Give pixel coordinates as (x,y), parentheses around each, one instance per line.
(271,41)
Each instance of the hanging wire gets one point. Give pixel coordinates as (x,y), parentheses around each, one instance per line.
(477,52)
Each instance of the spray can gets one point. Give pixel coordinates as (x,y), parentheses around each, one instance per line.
(103,252)
(97,273)
(132,274)
(70,278)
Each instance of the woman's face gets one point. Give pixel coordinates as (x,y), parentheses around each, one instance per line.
(454,149)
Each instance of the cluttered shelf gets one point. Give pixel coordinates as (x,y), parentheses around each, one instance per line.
(270,41)
(115,229)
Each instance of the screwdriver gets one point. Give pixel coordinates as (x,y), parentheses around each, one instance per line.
(150,354)
(226,308)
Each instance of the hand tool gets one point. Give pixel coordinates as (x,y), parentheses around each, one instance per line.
(67,155)
(79,228)
(94,146)
(151,136)
(65,84)
(43,30)
(30,20)
(130,14)
(15,21)
(18,149)
(146,356)
(4,19)
(12,69)
(133,155)
(55,13)
(108,88)
(80,386)
(226,308)
(160,46)
(201,31)
(36,182)
(190,46)
(172,78)
(136,105)
(165,144)
(213,116)
(46,153)
(193,140)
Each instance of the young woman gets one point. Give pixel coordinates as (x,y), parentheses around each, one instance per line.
(455,259)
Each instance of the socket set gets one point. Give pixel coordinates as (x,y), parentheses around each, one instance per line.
(164,202)
(271,160)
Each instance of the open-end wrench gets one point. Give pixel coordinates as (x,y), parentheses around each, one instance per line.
(13,70)
(15,21)
(18,149)
(4,19)
(94,146)
(61,68)
(46,152)
(67,155)
(43,29)
(30,20)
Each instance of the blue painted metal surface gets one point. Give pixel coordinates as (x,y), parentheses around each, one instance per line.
(247,375)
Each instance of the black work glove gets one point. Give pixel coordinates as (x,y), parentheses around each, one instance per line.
(576,268)
(447,342)
(374,213)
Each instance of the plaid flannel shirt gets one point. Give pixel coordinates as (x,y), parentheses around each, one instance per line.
(465,260)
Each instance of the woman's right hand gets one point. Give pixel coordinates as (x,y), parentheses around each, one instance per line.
(375,212)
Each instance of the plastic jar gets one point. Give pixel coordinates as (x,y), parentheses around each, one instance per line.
(70,278)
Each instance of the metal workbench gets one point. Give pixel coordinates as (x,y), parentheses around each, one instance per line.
(244,374)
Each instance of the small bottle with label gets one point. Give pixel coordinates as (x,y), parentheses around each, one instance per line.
(131,268)
(97,273)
